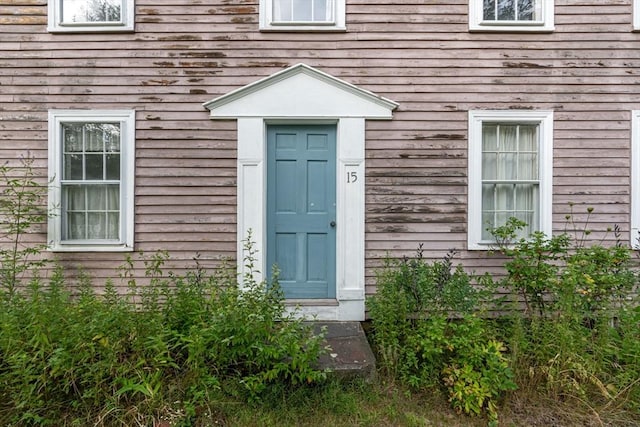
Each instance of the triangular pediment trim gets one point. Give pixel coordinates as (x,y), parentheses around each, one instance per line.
(300,91)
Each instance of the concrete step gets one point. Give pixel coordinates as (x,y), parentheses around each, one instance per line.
(350,355)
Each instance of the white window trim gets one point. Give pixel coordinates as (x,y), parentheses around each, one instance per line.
(545,162)
(55,24)
(636,15)
(476,22)
(267,24)
(126,118)
(634,235)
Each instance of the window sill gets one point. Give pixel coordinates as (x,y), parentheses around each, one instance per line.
(90,248)
(91,29)
(302,29)
(475,28)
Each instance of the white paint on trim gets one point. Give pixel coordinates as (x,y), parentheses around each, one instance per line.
(635,180)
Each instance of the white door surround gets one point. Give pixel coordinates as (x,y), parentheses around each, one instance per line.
(302,94)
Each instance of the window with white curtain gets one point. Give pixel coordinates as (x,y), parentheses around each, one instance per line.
(91,15)
(510,166)
(511,15)
(302,15)
(91,162)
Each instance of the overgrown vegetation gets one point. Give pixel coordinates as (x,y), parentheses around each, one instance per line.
(21,207)
(211,348)
(568,330)
(165,351)
(430,333)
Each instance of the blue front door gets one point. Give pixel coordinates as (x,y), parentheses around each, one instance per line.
(301,208)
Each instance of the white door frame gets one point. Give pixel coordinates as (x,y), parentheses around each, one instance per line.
(303,95)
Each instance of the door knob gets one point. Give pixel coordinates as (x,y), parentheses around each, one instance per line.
(332,224)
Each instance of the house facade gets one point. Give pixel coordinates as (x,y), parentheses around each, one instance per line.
(333,133)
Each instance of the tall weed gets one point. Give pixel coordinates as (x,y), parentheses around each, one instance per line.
(576,337)
(166,351)
(428,335)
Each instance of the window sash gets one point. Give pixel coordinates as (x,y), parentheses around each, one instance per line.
(303,11)
(92,12)
(517,11)
(91,211)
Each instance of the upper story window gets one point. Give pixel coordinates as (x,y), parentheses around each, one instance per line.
(302,15)
(90,15)
(510,172)
(91,169)
(511,15)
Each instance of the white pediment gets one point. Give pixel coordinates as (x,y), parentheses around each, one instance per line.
(301,91)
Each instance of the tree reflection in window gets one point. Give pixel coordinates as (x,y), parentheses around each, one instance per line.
(510,10)
(82,11)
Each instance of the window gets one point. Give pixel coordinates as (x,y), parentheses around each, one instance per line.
(511,15)
(636,15)
(510,172)
(91,169)
(90,15)
(635,179)
(305,15)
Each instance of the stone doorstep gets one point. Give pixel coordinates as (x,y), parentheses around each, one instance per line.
(350,355)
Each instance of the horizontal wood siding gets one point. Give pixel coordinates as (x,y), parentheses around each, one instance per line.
(419,54)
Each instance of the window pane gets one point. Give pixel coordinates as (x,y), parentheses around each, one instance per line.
(528,137)
(72,137)
(489,137)
(489,10)
(73,197)
(72,167)
(302,10)
(113,197)
(113,226)
(113,166)
(282,10)
(96,225)
(111,137)
(75,226)
(321,10)
(93,166)
(506,10)
(526,10)
(96,197)
(91,10)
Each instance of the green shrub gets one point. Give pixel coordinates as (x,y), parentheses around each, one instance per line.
(166,351)
(427,333)
(577,335)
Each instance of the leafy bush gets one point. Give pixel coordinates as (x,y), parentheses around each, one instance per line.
(166,351)
(427,334)
(577,335)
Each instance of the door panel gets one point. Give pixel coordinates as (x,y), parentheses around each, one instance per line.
(301,208)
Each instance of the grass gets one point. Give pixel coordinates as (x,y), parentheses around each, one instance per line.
(389,404)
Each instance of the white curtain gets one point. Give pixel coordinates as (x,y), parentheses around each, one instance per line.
(92,211)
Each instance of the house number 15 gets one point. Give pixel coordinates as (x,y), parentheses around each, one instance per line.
(352,177)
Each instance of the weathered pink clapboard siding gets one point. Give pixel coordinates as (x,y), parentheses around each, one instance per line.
(419,54)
